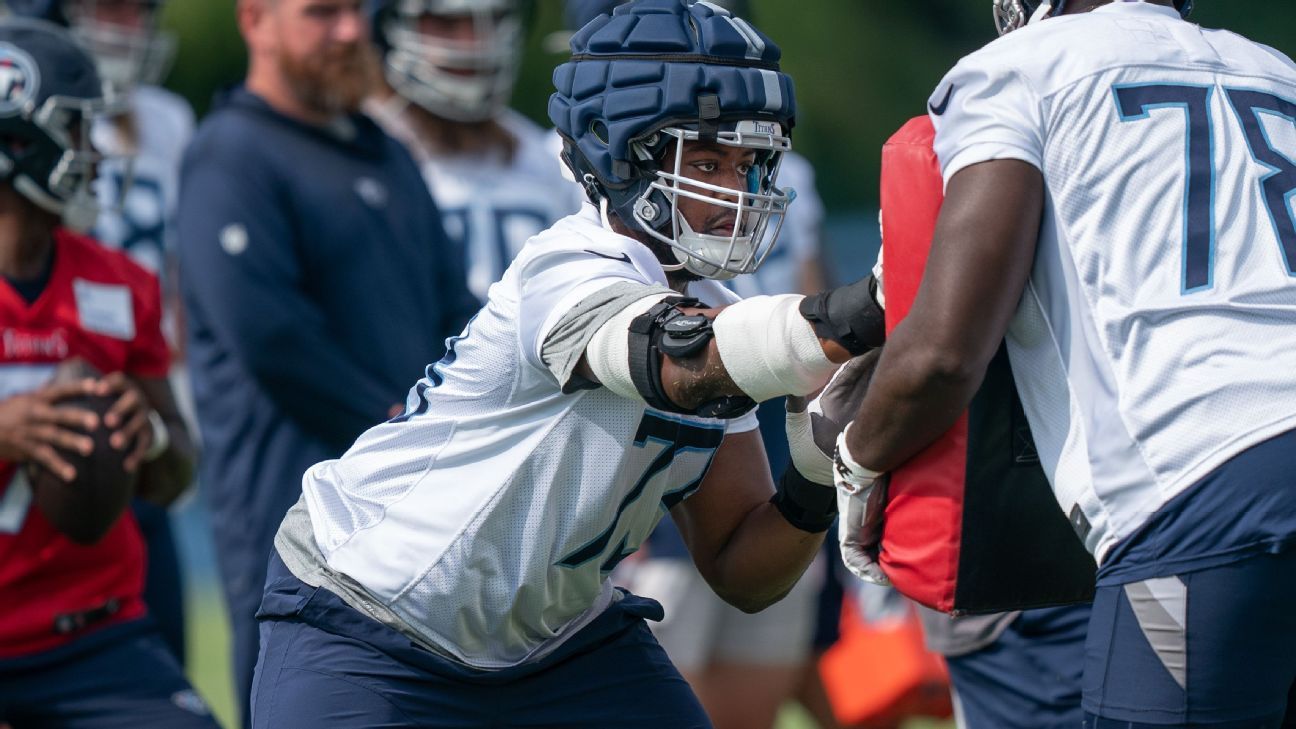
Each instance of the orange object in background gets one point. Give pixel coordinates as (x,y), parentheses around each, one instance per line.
(879,673)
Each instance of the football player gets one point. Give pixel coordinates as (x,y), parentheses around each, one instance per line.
(743,667)
(144,137)
(1119,186)
(76,646)
(451,569)
(449,67)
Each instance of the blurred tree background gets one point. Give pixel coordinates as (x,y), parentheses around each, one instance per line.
(862,67)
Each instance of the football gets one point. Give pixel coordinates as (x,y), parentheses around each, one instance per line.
(84,509)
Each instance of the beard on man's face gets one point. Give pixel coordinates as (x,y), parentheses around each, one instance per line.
(332,83)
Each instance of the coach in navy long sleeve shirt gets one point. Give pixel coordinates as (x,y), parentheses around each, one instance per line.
(318,283)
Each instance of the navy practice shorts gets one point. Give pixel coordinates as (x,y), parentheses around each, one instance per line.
(1212,648)
(1027,679)
(121,677)
(324,664)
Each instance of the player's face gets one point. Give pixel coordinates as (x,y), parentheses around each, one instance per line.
(466,32)
(713,164)
(460,28)
(324,52)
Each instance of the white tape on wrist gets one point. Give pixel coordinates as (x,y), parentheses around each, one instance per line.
(849,475)
(769,349)
(811,462)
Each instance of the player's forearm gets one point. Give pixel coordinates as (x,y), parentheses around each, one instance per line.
(683,359)
(911,401)
(980,260)
(762,560)
(763,347)
(165,478)
(704,378)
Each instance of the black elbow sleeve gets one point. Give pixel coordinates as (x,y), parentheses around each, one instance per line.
(848,315)
(665,331)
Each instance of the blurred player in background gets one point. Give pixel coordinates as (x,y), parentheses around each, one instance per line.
(316,276)
(76,647)
(1118,204)
(452,568)
(449,67)
(144,137)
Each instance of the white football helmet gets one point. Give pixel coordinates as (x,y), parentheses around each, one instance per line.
(456,58)
(125,39)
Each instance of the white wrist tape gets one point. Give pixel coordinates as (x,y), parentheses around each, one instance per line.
(769,349)
(850,476)
(809,461)
(608,351)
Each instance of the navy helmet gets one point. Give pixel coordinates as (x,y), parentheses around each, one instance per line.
(456,78)
(50,94)
(1010,15)
(653,76)
(577,13)
(127,53)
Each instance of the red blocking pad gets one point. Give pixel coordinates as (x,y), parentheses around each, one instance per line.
(971,522)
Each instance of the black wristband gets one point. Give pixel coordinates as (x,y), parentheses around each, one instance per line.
(848,315)
(808,506)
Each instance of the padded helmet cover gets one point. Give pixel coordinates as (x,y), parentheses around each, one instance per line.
(653,64)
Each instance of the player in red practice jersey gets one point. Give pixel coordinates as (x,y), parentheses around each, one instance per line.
(75,646)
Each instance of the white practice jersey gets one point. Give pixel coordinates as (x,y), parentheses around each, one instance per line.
(1157,336)
(487,518)
(798,239)
(489,204)
(140,223)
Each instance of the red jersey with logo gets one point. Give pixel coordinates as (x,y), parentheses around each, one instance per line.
(105,309)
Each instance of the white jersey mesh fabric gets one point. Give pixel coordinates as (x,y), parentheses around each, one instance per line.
(490,204)
(1155,339)
(486,518)
(138,199)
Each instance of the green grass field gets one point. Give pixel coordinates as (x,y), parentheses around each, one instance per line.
(209,664)
(208,646)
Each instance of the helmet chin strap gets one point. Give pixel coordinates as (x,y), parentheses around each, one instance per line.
(607,223)
(1043,11)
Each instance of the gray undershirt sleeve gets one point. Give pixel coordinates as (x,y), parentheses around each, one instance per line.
(566,342)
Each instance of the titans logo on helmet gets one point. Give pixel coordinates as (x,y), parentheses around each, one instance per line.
(19,79)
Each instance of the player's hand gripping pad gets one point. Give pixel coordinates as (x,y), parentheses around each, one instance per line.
(971,522)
